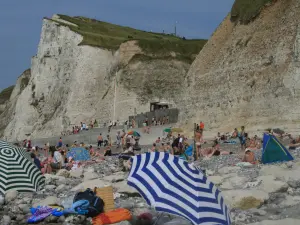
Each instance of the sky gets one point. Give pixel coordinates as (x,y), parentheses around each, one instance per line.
(21,22)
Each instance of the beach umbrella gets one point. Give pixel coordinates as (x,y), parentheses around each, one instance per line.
(171,185)
(17,171)
(79,154)
(167,130)
(133,133)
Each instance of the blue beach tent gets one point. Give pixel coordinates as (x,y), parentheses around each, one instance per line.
(274,151)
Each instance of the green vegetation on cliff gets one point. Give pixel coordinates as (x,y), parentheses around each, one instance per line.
(5,94)
(245,11)
(110,36)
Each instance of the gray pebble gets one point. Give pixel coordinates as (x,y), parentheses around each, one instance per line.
(2,200)
(24,208)
(5,220)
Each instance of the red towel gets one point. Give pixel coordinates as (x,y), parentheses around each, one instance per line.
(111,217)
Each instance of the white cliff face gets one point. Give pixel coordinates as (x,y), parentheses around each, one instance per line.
(67,84)
(72,83)
(9,109)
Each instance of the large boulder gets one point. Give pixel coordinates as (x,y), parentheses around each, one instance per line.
(64,173)
(24,208)
(5,220)
(270,185)
(91,184)
(50,187)
(281,173)
(290,201)
(124,188)
(228,169)
(245,199)
(51,200)
(54,179)
(178,221)
(226,186)
(120,176)
(11,195)
(288,221)
(77,173)
(234,182)
(61,188)
(217,180)
(90,176)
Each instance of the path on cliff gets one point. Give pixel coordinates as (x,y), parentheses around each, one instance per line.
(90,136)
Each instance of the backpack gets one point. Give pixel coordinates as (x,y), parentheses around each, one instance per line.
(96,205)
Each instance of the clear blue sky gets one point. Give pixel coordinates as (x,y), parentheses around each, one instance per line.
(21,20)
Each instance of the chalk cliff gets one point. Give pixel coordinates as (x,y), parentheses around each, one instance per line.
(73,81)
(10,99)
(248,74)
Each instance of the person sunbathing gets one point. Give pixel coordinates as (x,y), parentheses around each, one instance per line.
(107,151)
(209,152)
(251,143)
(249,156)
(168,148)
(46,168)
(198,142)
(162,147)
(235,133)
(293,144)
(154,148)
(92,151)
(70,163)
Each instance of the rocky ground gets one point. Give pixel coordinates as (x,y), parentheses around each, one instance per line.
(257,195)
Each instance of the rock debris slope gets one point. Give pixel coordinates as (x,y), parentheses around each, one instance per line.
(248,74)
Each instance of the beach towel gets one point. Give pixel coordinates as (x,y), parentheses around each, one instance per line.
(229,142)
(40,213)
(78,207)
(111,217)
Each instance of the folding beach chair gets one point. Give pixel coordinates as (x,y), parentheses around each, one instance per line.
(107,195)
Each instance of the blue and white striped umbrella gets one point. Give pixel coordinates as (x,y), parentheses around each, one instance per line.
(171,185)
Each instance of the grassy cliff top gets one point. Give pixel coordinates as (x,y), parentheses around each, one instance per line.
(245,11)
(5,94)
(110,36)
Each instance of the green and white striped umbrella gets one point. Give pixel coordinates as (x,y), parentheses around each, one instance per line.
(17,171)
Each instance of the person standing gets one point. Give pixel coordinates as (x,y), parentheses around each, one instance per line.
(109,126)
(201,125)
(242,138)
(36,161)
(100,140)
(46,150)
(60,142)
(109,141)
(57,160)
(198,142)
(125,125)
(118,139)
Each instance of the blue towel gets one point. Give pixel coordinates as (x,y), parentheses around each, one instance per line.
(189,151)
(79,207)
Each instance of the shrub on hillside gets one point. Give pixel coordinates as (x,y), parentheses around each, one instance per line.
(245,11)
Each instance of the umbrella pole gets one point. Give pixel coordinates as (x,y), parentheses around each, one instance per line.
(195,150)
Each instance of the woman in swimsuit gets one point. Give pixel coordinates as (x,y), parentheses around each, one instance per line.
(198,140)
